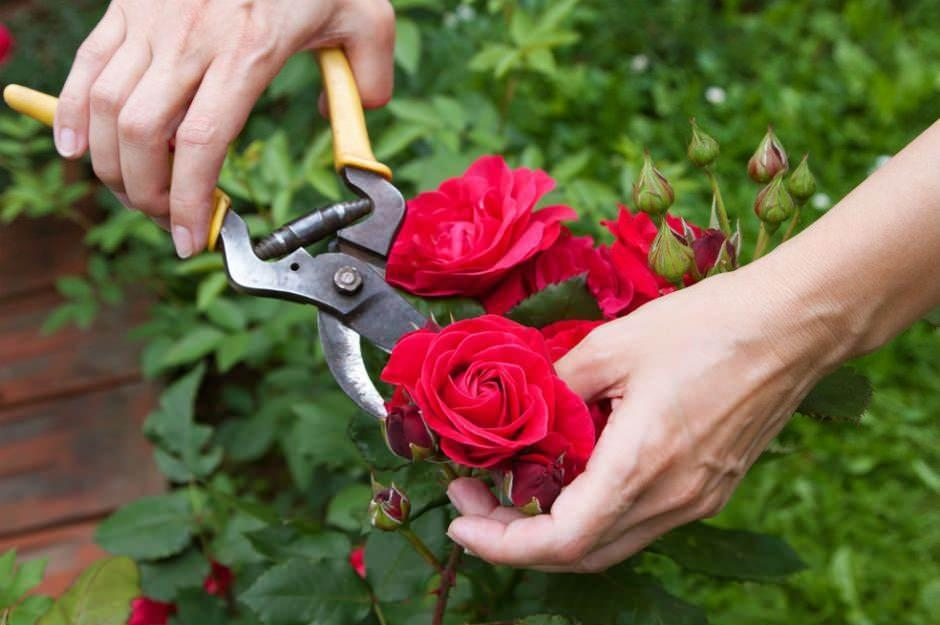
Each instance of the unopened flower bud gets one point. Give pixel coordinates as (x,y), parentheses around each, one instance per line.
(774,204)
(769,160)
(533,486)
(389,509)
(713,250)
(669,257)
(406,432)
(703,149)
(802,184)
(652,193)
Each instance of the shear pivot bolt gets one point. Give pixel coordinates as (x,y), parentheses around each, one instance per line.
(347,279)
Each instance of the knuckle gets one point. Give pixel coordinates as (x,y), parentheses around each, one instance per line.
(91,51)
(134,127)
(184,206)
(572,551)
(198,132)
(70,101)
(108,174)
(711,505)
(106,98)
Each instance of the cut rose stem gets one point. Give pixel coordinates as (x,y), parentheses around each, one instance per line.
(421,548)
(448,580)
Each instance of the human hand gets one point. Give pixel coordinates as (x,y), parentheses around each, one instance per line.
(701,382)
(192,70)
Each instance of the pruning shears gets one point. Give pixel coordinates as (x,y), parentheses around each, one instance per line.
(347,283)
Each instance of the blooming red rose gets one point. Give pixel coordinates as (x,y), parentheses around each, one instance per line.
(487,388)
(6,43)
(464,237)
(219,580)
(357,560)
(568,257)
(630,253)
(146,611)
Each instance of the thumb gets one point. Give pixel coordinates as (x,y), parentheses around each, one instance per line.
(596,364)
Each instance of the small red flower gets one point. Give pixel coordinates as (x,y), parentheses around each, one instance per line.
(707,249)
(562,336)
(487,388)
(533,484)
(468,234)
(146,611)
(357,560)
(219,580)
(7,43)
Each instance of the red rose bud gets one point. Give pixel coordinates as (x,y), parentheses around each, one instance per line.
(711,251)
(389,509)
(146,611)
(669,257)
(219,580)
(774,204)
(6,44)
(652,193)
(406,433)
(533,486)
(769,160)
(357,560)
(802,184)
(703,149)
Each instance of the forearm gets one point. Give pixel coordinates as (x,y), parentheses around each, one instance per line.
(867,269)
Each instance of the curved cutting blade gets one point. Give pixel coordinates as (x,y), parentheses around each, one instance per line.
(344,356)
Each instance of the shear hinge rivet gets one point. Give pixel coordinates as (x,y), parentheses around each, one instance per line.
(347,279)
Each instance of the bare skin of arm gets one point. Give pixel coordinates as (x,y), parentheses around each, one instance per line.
(192,70)
(704,379)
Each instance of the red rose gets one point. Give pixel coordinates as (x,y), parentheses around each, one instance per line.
(6,43)
(146,611)
(707,248)
(630,253)
(533,484)
(357,560)
(561,338)
(219,580)
(568,257)
(467,235)
(405,431)
(486,387)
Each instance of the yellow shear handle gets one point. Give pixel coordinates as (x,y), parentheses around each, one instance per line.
(41,107)
(351,147)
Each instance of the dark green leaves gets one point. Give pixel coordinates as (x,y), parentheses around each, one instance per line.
(162,579)
(733,554)
(286,541)
(394,569)
(570,299)
(300,592)
(841,396)
(182,452)
(16,581)
(149,528)
(100,596)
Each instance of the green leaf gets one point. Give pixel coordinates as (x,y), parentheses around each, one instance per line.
(193,345)
(29,611)
(286,541)
(840,396)
(227,314)
(100,596)
(933,317)
(163,579)
(393,567)
(74,287)
(619,596)
(544,619)
(209,289)
(300,592)
(195,607)
(181,440)
(347,509)
(318,437)
(570,299)
(16,581)
(232,350)
(150,528)
(366,434)
(407,44)
(246,440)
(733,554)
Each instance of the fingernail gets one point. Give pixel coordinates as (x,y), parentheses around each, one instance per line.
(183,241)
(66,142)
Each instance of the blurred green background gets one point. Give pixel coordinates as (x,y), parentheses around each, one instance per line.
(579,89)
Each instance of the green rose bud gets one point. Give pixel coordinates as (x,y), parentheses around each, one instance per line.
(802,184)
(769,160)
(389,509)
(703,149)
(652,193)
(774,204)
(669,256)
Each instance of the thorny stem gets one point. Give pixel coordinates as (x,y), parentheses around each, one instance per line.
(449,472)
(723,221)
(421,548)
(793,223)
(448,580)
(763,238)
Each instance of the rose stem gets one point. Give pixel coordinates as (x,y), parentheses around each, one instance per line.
(763,238)
(793,224)
(449,472)
(421,548)
(723,221)
(448,580)
(379,615)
